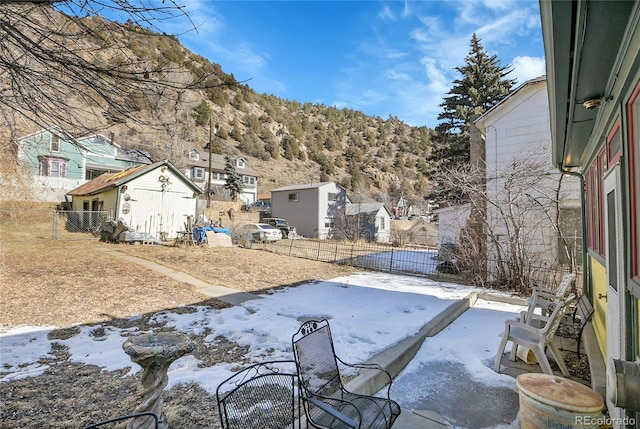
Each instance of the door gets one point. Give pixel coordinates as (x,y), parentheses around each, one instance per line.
(614,260)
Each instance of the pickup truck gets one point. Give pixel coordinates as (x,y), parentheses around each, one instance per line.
(282,225)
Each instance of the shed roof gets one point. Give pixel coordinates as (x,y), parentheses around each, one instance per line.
(113,180)
(364,208)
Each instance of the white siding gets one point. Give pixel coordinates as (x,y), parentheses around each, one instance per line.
(517,134)
(451,220)
(154,210)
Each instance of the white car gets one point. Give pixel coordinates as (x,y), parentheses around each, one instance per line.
(258,232)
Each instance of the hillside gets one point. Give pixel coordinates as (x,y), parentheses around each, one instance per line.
(285,141)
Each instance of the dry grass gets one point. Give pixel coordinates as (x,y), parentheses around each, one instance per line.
(63,283)
(66,283)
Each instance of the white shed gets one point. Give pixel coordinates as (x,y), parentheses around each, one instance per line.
(451,220)
(154,198)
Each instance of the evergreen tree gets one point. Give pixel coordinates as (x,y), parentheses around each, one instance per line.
(233,181)
(482,85)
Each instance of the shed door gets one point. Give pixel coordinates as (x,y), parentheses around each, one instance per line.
(156,211)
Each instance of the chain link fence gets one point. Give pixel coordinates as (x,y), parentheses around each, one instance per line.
(21,225)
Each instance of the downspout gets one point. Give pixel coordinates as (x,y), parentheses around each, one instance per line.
(583,214)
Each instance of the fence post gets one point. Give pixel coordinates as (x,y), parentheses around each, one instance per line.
(335,255)
(318,255)
(290,245)
(54,226)
(391,261)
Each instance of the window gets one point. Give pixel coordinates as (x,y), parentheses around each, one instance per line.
(197,173)
(602,169)
(53,167)
(55,143)
(332,196)
(634,178)
(594,206)
(194,155)
(249,180)
(570,242)
(294,197)
(614,144)
(240,163)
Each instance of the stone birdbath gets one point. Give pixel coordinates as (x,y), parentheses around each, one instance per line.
(155,353)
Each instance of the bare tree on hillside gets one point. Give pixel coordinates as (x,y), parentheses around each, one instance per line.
(74,70)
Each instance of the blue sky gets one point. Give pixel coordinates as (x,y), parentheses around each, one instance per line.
(379,57)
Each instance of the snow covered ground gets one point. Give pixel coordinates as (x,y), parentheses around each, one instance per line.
(368,312)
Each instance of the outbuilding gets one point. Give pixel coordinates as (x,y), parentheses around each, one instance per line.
(155,199)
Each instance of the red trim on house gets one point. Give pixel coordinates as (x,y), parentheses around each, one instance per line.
(613,157)
(634,165)
(602,162)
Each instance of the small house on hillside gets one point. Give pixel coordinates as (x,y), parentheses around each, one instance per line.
(372,221)
(312,208)
(58,162)
(198,167)
(154,198)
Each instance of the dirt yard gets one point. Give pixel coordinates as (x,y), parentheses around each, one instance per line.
(67,283)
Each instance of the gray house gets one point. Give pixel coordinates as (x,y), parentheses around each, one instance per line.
(198,167)
(312,208)
(371,220)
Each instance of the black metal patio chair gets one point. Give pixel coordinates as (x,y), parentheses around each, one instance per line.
(260,396)
(326,402)
(136,420)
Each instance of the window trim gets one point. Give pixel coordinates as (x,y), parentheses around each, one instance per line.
(294,197)
(594,184)
(615,132)
(198,173)
(54,148)
(634,179)
(602,162)
(47,161)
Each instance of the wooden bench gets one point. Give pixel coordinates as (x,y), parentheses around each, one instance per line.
(573,325)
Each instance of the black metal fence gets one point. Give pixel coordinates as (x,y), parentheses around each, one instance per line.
(414,260)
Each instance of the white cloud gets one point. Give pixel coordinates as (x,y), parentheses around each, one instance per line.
(386,14)
(525,68)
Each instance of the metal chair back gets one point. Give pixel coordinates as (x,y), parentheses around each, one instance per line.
(326,402)
(316,359)
(259,396)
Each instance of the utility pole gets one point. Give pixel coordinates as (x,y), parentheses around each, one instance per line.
(212,130)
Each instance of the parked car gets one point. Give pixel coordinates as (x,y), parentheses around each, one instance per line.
(257,206)
(256,232)
(287,230)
